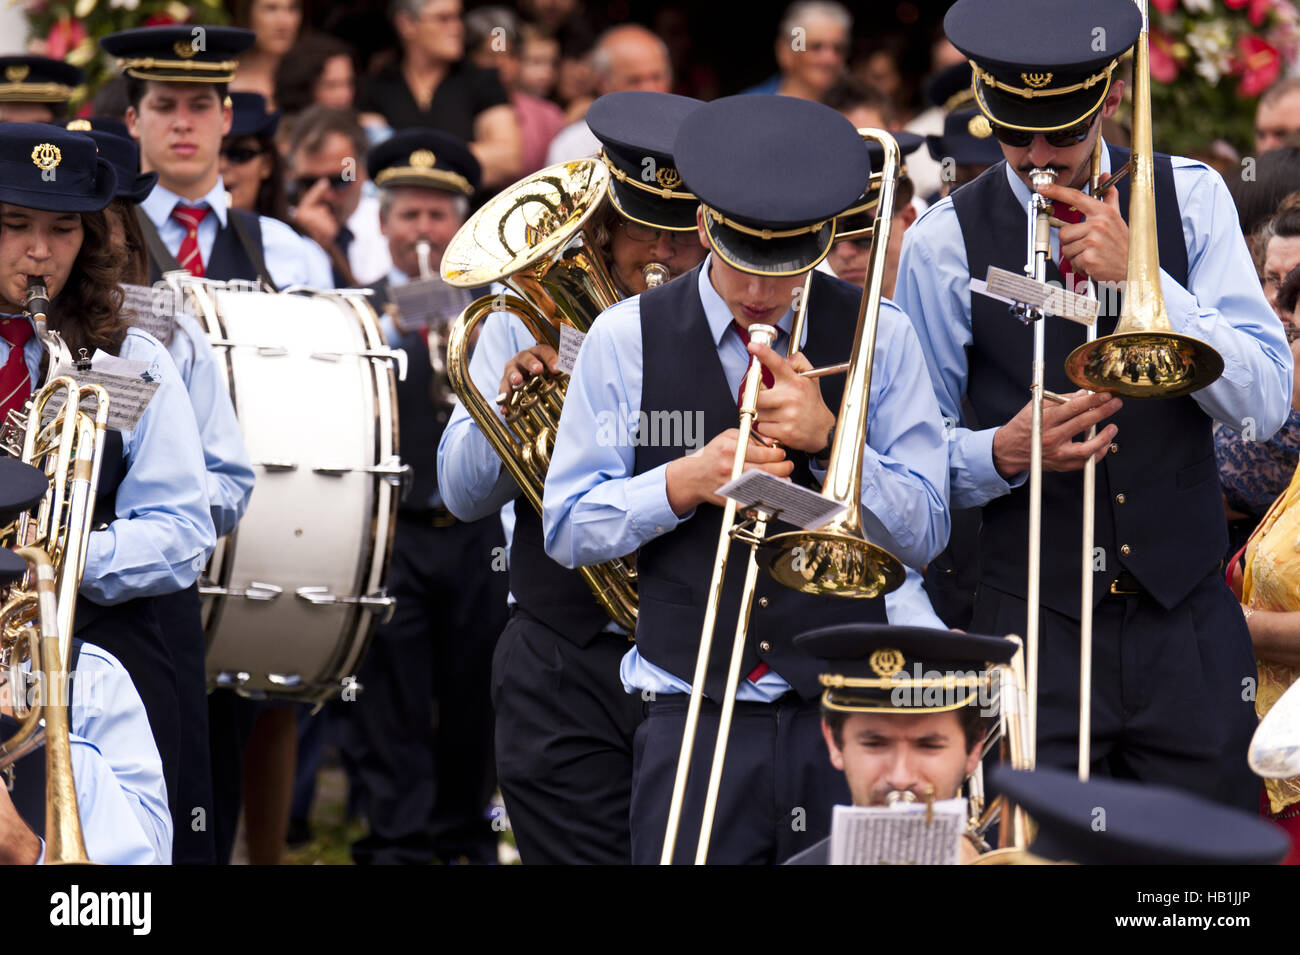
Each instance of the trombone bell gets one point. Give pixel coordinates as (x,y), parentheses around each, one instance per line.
(831,562)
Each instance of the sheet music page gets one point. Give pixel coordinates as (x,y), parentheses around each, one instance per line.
(766,492)
(152,308)
(131,386)
(428,303)
(898,834)
(570,344)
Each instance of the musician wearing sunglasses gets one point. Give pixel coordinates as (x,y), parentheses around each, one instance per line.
(180,114)
(1171,650)
(155,531)
(906,711)
(684,349)
(566,771)
(251,168)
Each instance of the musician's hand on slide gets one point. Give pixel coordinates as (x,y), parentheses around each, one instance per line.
(792,411)
(1061,424)
(314,217)
(694,479)
(1098,246)
(18,844)
(529,362)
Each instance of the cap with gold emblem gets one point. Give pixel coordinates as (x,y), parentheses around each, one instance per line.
(45,167)
(424,157)
(123,153)
(772,173)
(179,54)
(37,79)
(854,220)
(637,129)
(950,88)
(1048,85)
(967,140)
(102,124)
(878,668)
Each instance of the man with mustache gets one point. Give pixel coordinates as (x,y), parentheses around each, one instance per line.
(1172,660)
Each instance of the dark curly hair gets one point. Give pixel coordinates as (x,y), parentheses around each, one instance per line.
(88,312)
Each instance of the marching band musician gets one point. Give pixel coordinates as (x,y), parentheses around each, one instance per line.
(117,774)
(566,771)
(229,482)
(683,348)
(156,531)
(890,721)
(179,113)
(36,89)
(421,729)
(1171,649)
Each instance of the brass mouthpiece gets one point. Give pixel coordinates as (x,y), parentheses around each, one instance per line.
(656,273)
(37,304)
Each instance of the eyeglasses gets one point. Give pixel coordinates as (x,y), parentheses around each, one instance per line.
(240,154)
(1058,138)
(338,183)
(644,233)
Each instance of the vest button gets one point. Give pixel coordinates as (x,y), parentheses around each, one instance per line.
(1114,447)
(1120,498)
(762,602)
(764,647)
(1125,550)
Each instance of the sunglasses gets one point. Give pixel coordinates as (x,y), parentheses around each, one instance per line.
(241,154)
(1059,138)
(337,183)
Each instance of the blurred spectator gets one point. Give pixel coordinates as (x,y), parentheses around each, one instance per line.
(492,41)
(251,168)
(948,88)
(327,174)
(861,104)
(539,61)
(435,86)
(1253,473)
(626,57)
(693,78)
(812,46)
(1278,114)
(1273,176)
(882,67)
(553,15)
(318,71)
(276,23)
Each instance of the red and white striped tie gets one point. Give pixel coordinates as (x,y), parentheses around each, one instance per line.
(188,255)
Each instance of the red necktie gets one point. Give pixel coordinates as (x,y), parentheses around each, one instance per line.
(1067,213)
(188,255)
(15,382)
(768,380)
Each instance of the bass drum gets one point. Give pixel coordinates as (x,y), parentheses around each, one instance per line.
(291,599)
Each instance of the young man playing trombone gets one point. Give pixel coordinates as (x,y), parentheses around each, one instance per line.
(1171,698)
(771,173)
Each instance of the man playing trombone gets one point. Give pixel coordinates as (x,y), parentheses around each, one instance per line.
(771,173)
(1172,658)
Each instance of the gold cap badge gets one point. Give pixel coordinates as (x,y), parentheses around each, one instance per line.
(79,126)
(17,73)
(979,127)
(46,156)
(185,49)
(886,662)
(1036,81)
(668,177)
(423,159)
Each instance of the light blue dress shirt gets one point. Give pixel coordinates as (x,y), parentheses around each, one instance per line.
(229,470)
(596,508)
(291,259)
(1223,305)
(121,793)
(163,534)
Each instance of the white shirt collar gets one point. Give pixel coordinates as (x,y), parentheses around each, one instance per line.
(160,202)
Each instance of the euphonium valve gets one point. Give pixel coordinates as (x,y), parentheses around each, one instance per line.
(1144,357)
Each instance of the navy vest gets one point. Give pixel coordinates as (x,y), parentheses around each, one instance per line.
(228,259)
(421,419)
(1169,529)
(28,795)
(682,375)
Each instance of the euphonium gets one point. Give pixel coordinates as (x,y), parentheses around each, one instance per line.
(1144,357)
(536,238)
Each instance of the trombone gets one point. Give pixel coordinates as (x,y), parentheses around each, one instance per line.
(834,560)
